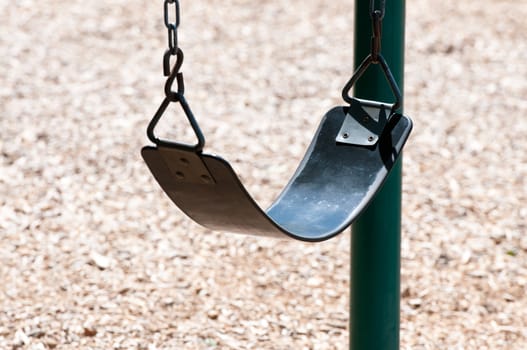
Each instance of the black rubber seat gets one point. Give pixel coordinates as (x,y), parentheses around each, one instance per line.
(333,184)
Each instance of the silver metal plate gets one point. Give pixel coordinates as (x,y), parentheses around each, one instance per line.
(364,123)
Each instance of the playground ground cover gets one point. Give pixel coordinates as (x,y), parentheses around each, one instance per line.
(94,256)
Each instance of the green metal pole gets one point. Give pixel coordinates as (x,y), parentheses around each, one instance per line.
(376,235)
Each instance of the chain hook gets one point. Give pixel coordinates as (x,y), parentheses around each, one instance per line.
(167,68)
(175,75)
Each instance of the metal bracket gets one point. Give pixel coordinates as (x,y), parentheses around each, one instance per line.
(364,122)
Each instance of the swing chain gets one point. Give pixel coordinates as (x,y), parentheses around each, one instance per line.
(376,18)
(173,73)
(172,28)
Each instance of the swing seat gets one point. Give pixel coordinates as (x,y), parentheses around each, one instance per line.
(337,178)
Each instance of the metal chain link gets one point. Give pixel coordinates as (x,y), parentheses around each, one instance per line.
(172,27)
(376,19)
(381,10)
(376,36)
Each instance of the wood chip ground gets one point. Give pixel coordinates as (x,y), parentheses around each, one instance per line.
(94,256)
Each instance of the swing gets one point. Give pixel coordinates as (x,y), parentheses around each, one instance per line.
(348,160)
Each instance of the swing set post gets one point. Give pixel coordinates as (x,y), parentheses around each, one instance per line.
(376,235)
